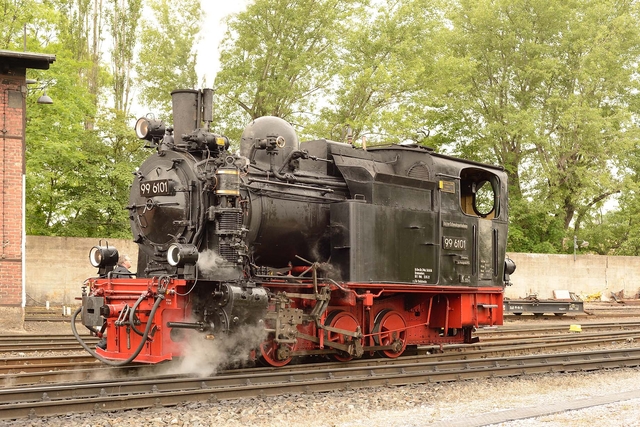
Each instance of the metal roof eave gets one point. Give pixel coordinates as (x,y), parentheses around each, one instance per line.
(14,59)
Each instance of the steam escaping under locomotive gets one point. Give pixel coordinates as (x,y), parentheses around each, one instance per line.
(330,249)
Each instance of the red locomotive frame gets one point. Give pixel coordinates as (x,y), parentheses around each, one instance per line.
(343,321)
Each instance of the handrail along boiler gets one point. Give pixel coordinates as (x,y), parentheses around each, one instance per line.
(330,249)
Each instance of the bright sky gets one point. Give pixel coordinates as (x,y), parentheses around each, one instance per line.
(213,30)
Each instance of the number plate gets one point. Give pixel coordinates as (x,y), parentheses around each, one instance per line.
(160,187)
(454,243)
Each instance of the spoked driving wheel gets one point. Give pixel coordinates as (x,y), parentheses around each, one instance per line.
(341,320)
(390,329)
(276,354)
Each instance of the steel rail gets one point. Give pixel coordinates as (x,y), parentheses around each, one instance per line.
(46,361)
(568,336)
(611,313)
(525,328)
(88,373)
(48,337)
(31,343)
(60,399)
(32,348)
(18,374)
(56,363)
(569,340)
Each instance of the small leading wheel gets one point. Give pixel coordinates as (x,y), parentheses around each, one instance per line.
(274,354)
(390,329)
(341,320)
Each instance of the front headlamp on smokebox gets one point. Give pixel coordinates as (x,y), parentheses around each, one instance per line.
(179,255)
(149,128)
(104,258)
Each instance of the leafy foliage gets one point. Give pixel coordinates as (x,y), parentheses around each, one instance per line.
(81,153)
(547,89)
(543,88)
(58,151)
(386,64)
(167,58)
(277,58)
(123,19)
(14,15)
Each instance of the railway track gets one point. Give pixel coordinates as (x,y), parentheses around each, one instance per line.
(39,343)
(526,328)
(566,336)
(52,368)
(15,373)
(53,385)
(116,394)
(45,364)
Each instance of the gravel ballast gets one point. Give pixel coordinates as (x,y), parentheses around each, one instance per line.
(417,405)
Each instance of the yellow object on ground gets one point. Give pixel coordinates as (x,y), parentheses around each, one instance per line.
(575,328)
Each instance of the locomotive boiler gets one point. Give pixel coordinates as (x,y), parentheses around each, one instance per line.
(331,250)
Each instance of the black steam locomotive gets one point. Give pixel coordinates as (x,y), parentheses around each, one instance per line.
(331,249)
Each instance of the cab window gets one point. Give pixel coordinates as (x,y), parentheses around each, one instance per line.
(479,193)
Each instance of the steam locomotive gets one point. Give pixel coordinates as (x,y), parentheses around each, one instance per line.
(329,249)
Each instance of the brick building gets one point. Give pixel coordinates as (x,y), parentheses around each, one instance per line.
(13,90)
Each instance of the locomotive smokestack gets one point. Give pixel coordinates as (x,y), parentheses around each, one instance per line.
(207,106)
(186,117)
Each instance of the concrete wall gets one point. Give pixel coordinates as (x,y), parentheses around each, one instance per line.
(57,267)
(541,274)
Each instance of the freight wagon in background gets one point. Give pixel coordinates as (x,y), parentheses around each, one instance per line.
(326,249)
(563,302)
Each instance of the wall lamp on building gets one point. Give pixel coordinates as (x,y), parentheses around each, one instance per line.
(44,98)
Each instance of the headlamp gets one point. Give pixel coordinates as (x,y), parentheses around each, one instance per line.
(103,256)
(149,128)
(179,255)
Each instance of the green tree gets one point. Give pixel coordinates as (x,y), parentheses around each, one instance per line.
(81,151)
(59,149)
(386,62)
(79,28)
(167,51)
(79,158)
(123,18)
(543,88)
(14,15)
(616,229)
(277,58)
(119,151)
